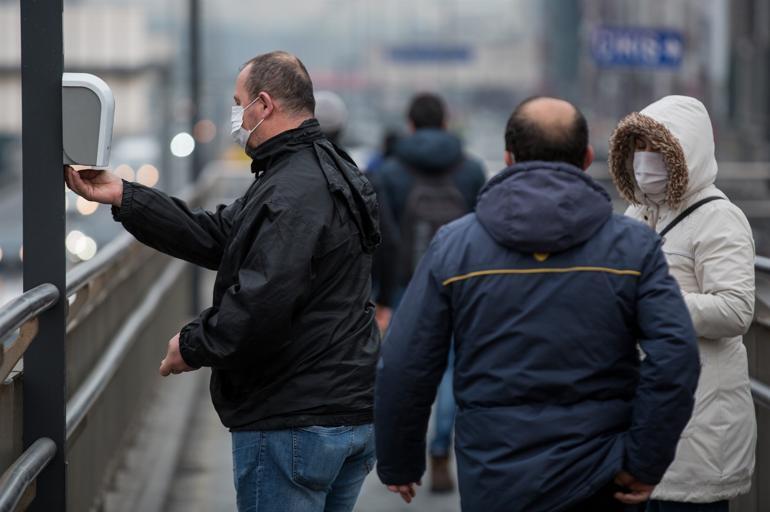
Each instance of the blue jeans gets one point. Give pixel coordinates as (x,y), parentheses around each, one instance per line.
(674,506)
(308,469)
(444,415)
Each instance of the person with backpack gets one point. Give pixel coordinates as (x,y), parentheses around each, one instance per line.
(545,295)
(429,182)
(662,161)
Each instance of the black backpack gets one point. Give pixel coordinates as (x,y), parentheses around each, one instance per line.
(432,202)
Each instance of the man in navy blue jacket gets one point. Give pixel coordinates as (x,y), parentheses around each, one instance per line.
(430,156)
(546,294)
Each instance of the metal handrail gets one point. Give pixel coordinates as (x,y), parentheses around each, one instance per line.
(83,273)
(760,392)
(20,475)
(88,393)
(762,264)
(16,314)
(26,306)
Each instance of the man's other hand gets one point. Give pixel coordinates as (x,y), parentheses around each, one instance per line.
(407,491)
(638,492)
(95,185)
(173,362)
(382,315)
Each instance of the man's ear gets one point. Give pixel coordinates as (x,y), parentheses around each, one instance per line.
(589,157)
(267,100)
(508,157)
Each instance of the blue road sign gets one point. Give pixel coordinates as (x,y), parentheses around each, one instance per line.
(637,47)
(422,53)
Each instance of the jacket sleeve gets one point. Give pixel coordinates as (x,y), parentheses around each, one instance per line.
(668,373)
(413,359)
(170,226)
(383,265)
(724,268)
(254,317)
(473,182)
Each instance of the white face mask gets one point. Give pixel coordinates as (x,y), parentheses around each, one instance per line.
(651,174)
(240,134)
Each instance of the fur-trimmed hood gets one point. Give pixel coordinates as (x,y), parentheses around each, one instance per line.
(680,128)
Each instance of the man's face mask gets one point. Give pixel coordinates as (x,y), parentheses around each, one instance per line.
(240,134)
(651,174)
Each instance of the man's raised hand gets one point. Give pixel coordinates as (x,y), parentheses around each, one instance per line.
(95,185)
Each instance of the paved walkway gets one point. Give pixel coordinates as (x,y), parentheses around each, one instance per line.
(204,478)
(203,482)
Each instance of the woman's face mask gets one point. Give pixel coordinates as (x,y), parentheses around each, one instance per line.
(651,174)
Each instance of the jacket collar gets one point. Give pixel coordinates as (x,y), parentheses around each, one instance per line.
(284,143)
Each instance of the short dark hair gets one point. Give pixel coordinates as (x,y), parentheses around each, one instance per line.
(285,78)
(427,110)
(528,140)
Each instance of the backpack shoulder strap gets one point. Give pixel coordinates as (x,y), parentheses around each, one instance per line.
(687,212)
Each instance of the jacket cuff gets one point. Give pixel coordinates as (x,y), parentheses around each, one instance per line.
(644,476)
(123,212)
(400,477)
(187,348)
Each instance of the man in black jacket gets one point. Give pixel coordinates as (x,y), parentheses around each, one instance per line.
(290,337)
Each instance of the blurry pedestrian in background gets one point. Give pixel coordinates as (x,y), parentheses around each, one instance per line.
(290,338)
(662,161)
(427,183)
(332,115)
(387,149)
(546,294)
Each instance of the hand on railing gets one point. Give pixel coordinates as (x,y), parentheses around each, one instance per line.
(173,362)
(95,185)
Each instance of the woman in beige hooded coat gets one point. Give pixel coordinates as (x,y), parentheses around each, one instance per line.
(662,161)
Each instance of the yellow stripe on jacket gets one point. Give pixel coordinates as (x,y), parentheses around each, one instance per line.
(544,270)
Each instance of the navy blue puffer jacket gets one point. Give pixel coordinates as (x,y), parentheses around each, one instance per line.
(546,294)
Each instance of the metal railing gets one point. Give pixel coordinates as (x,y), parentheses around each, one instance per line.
(18,328)
(762,264)
(758,499)
(759,390)
(21,315)
(23,472)
(88,284)
(81,403)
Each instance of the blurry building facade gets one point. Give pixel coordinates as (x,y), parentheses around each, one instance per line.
(749,77)
(726,64)
(116,43)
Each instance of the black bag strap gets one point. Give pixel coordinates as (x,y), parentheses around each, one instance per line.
(687,212)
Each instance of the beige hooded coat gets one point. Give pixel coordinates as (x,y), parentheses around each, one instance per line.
(711,255)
